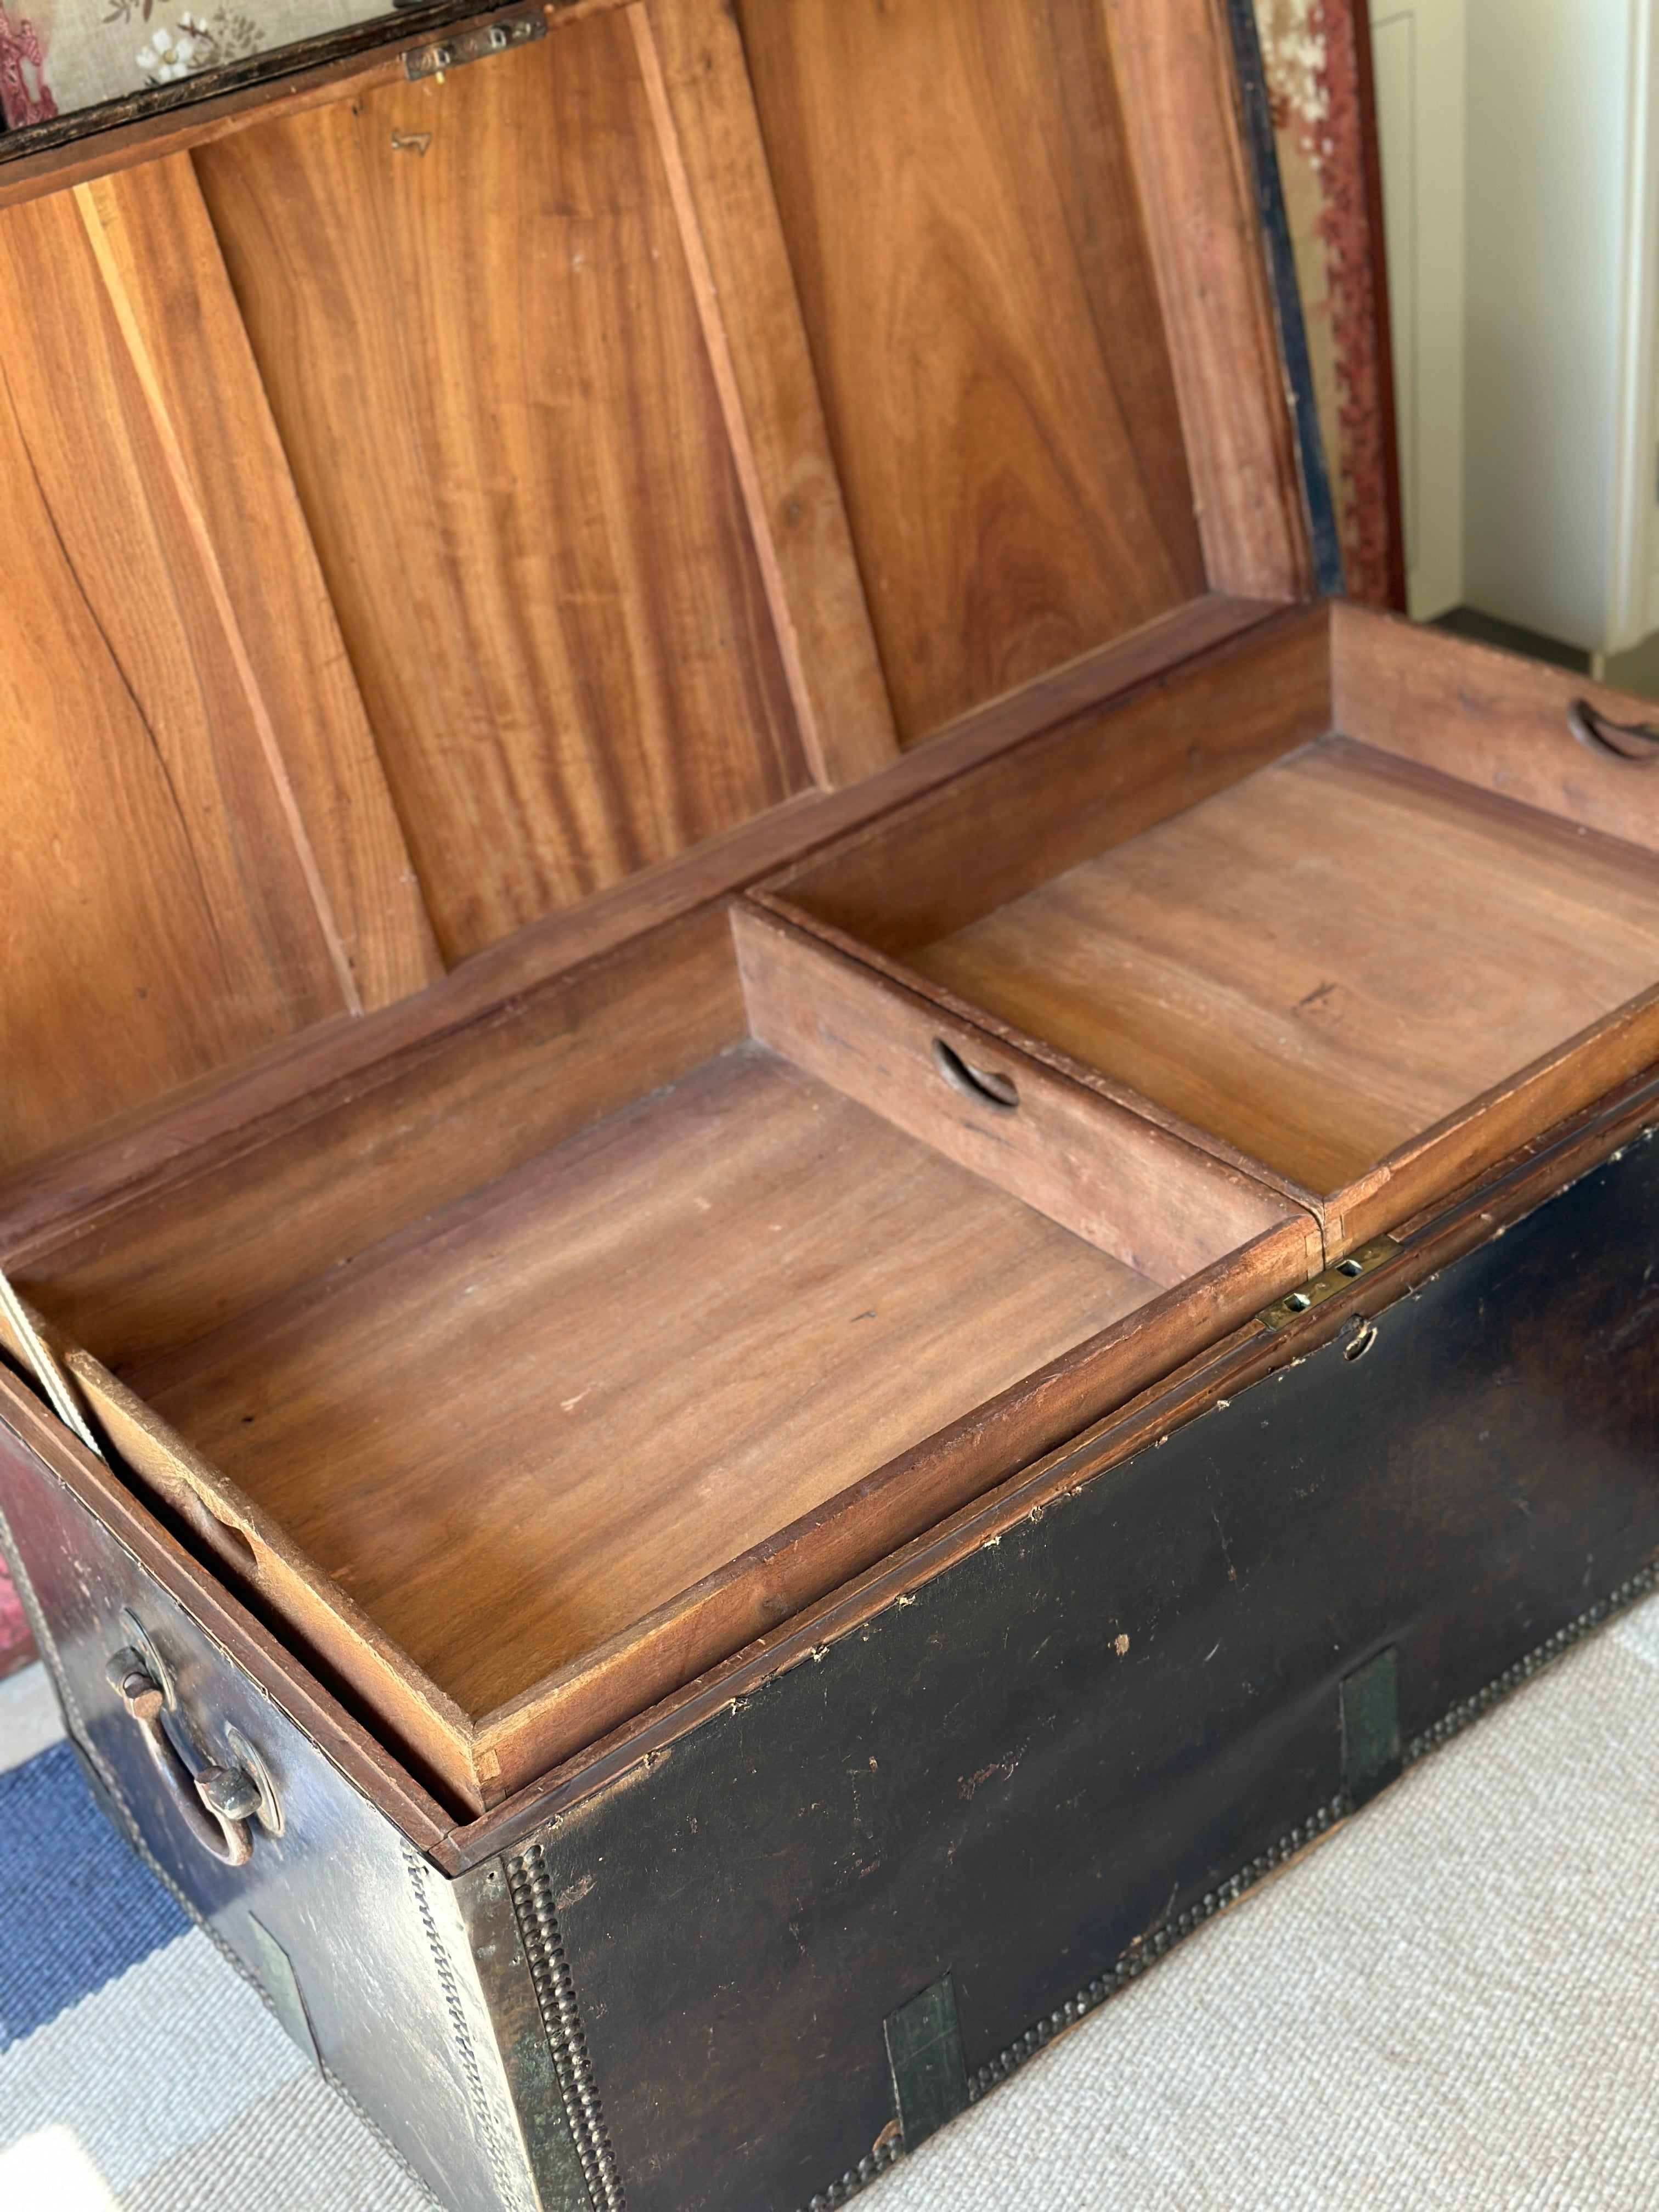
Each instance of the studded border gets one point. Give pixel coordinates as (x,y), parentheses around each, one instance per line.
(555,1993)
(483,2118)
(1146,1950)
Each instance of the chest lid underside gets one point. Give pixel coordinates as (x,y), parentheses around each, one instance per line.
(432,503)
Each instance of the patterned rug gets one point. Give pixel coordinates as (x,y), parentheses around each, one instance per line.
(137,2072)
(1453,2002)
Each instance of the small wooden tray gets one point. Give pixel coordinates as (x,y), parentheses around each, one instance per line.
(1318,917)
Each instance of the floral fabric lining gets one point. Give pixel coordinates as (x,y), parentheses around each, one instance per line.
(59,56)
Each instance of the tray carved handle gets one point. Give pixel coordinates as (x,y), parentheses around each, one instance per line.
(985,1086)
(1627,741)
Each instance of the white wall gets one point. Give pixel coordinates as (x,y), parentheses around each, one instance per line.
(1558,480)
(1418,48)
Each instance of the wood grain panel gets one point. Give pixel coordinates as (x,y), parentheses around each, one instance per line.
(1321,963)
(166,280)
(198,856)
(849,1293)
(956,190)
(471,308)
(692,62)
(1174,57)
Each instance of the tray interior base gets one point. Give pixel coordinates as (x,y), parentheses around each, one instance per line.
(1323,961)
(514,1428)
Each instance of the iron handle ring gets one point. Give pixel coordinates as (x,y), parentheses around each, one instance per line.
(216,1803)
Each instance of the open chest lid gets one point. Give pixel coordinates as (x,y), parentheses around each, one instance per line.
(447,497)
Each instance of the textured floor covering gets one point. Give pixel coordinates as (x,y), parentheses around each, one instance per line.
(1453,2002)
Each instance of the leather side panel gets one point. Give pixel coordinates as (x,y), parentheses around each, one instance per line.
(338,1912)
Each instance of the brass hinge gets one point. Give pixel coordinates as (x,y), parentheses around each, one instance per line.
(1359,1262)
(474,45)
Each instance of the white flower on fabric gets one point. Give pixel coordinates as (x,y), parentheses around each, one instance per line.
(195,43)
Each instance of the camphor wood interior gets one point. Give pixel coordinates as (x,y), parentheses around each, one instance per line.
(461,532)
(1306,917)
(463,528)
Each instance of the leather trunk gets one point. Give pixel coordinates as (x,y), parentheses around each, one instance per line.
(833,1208)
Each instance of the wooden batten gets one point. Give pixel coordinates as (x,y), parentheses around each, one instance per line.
(702,105)
(1199,207)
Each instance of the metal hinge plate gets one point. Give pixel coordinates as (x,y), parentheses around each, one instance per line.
(1346,1270)
(474,45)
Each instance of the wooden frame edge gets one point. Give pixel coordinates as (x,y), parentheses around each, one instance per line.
(118,134)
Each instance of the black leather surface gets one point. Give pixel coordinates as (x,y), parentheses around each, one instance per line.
(988,1779)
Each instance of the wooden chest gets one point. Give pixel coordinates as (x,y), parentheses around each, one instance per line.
(837,1212)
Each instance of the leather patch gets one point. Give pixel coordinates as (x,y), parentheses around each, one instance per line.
(1370,1728)
(924,2050)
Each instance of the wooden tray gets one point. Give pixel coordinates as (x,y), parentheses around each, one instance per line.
(517,1433)
(1357,915)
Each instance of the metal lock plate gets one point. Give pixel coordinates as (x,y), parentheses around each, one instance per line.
(473,46)
(1362,1262)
